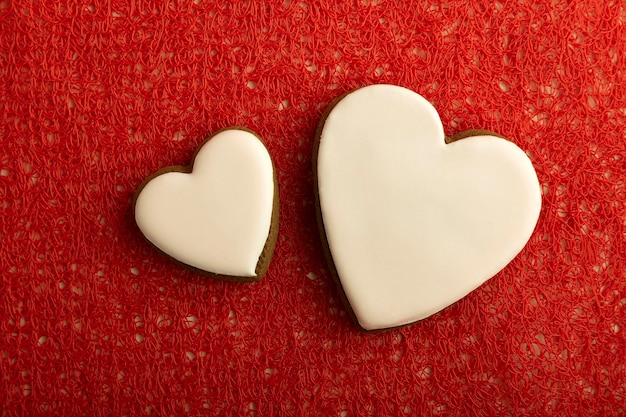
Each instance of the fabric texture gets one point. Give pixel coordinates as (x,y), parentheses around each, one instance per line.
(95,96)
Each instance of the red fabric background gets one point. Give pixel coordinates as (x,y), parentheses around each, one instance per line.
(96,96)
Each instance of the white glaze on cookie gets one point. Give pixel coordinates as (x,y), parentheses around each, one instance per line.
(216,218)
(414,224)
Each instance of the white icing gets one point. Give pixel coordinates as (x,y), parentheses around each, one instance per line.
(414,224)
(218,217)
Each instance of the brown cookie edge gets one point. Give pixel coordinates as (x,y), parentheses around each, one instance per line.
(270,244)
(471,133)
(320,221)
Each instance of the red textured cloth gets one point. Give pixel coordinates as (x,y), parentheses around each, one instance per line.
(96,96)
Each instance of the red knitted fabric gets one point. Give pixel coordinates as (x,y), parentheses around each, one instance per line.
(96,96)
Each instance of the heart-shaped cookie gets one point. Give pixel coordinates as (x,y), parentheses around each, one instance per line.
(411,223)
(220,214)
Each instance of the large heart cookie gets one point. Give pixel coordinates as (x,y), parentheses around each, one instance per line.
(220,214)
(411,223)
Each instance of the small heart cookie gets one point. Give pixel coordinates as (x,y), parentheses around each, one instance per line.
(413,222)
(220,214)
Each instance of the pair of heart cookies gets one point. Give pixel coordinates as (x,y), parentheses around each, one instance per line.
(411,221)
